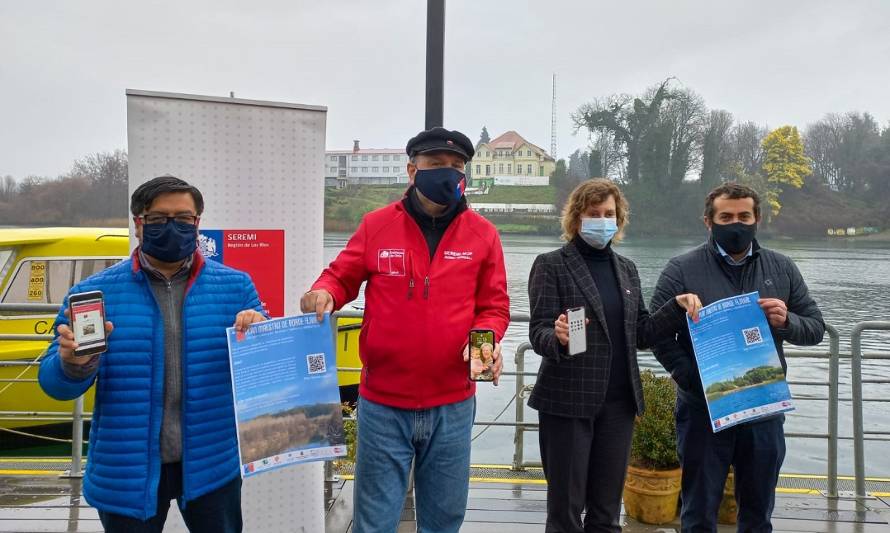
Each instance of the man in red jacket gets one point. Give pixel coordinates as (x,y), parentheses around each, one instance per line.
(434,271)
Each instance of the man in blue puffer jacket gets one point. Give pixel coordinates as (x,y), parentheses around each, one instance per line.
(164,422)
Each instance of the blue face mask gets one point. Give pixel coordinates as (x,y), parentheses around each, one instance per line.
(598,232)
(440,185)
(169,242)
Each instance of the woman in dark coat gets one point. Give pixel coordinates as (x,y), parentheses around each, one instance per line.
(587,402)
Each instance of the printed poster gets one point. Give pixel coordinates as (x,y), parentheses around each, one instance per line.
(259,252)
(287,402)
(738,363)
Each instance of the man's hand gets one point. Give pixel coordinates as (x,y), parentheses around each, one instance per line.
(776,311)
(497,362)
(67,344)
(691,303)
(561,328)
(245,318)
(319,301)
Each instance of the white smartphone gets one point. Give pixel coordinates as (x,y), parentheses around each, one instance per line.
(577,331)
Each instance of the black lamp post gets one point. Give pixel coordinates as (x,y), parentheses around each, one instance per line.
(435,52)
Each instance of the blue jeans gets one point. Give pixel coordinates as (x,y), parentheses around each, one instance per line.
(438,440)
(218,511)
(755,450)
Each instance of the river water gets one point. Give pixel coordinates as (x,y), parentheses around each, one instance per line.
(850,280)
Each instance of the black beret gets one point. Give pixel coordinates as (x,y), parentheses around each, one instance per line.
(439,139)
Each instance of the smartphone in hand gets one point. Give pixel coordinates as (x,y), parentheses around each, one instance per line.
(87,314)
(577,330)
(481,363)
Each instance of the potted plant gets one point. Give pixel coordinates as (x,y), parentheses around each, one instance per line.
(728,509)
(652,486)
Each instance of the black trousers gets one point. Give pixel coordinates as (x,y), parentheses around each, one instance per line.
(585,462)
(217,512)
(756,451)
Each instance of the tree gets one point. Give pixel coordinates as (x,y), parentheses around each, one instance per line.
(610,156)
(627,119)
(879,177)
(562,183)
(483,137)
(107,174)
(784,164)
(671,146)
(8,189)
(93,191)
(577,167)
(747,147)
(103,169)
(716,148)
(845,151)
(822,141)
(595,164)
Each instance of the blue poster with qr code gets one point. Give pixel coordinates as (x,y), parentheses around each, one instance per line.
(287,402)
(737,361)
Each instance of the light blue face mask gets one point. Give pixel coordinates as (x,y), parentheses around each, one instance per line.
(598,232)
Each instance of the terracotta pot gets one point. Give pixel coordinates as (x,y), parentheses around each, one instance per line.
(728,510)
(650,496)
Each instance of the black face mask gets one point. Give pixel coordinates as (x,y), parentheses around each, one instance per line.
(735,238)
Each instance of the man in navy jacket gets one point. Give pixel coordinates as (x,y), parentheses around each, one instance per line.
(163,423)
(730,263)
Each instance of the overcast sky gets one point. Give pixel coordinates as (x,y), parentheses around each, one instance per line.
(64,65)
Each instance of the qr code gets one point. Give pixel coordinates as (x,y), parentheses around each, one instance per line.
(315,362)
(752,336)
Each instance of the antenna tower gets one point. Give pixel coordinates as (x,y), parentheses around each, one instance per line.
(553,121)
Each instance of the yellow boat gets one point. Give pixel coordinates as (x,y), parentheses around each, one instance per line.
(38,266)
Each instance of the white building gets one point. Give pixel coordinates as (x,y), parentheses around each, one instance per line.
(360,166)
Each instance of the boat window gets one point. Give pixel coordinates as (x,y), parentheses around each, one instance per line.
(6,259)
(41,281)
(48,281)
(85,268)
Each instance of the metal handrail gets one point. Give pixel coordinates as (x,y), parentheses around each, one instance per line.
(25,337)
(520,426)
(28,308)
(833,383)
(858,425)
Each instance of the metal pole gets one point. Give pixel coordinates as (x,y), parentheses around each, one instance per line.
(334,319)
(858,429)
(76,439)
(833,371)
(74,506)
(518,435)
(858,443)
(25,337)
(329,477)
(435,62)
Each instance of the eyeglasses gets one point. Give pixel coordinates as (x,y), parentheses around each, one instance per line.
(157,218)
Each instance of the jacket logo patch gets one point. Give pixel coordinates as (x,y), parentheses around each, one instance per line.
(391,262)
(459,256)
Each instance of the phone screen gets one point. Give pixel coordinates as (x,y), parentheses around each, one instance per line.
(481,355)
(88,323)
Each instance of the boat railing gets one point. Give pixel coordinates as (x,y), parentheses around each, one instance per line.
(76,416)
(523,386)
